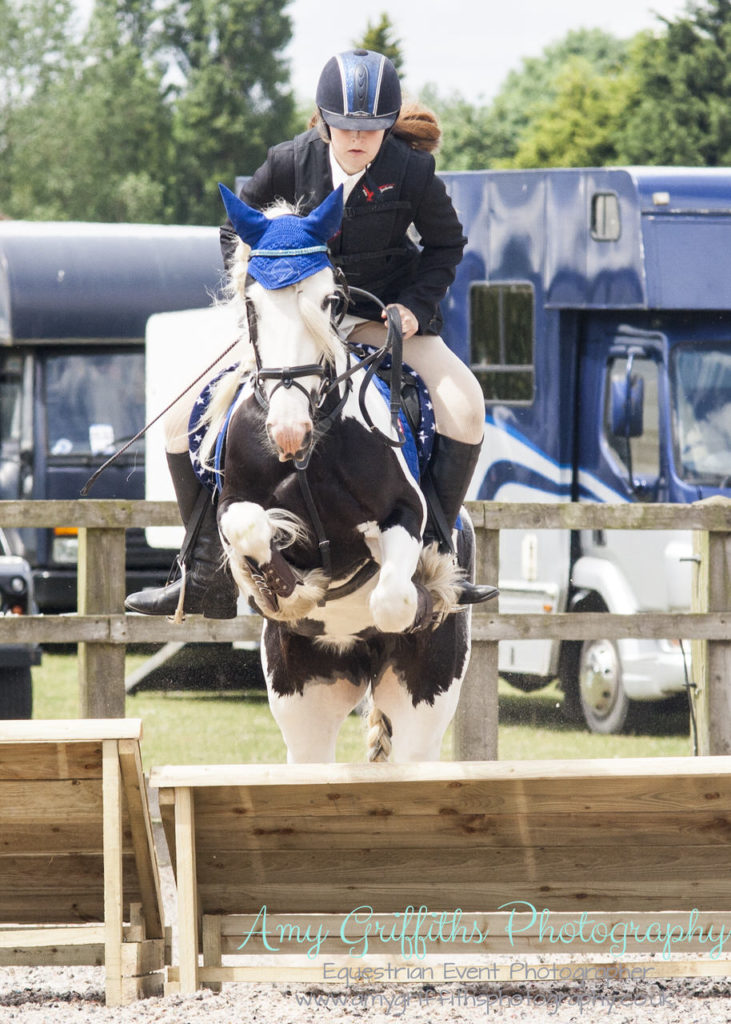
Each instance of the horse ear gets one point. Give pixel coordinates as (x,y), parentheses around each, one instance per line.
(325,219)
(248,223)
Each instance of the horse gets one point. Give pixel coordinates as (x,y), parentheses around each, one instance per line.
(321,518)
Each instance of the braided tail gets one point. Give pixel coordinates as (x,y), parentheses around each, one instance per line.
(380,732)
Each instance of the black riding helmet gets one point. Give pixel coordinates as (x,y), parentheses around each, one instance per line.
(359,90)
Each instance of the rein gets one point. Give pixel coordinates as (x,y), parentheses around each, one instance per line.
(392,346)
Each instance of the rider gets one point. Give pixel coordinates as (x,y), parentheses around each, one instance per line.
(390,192)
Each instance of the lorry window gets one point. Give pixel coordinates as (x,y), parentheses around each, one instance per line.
(700,385)
(501,340)
(644,459)
(11,385)
(94,401)
(605,222)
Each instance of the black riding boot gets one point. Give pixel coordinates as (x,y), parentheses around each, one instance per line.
(451,467)
(209,586)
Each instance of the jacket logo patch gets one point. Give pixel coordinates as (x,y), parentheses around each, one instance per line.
(370,196)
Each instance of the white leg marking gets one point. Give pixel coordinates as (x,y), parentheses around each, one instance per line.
(393,601)
(247,529)
(310,722)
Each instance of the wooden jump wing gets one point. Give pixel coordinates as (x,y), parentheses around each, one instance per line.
(79,880)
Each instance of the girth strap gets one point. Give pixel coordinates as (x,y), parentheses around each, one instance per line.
(361,576)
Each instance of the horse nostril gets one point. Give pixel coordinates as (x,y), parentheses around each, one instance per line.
(305,446)
(289,439)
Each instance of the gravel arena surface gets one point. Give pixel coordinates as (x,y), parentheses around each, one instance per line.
(62,995)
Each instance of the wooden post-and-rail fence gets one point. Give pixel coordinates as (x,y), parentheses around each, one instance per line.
(103,630)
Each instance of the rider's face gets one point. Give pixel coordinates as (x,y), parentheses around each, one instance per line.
(354,150)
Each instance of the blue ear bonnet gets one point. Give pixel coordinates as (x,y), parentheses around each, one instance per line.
(286,249)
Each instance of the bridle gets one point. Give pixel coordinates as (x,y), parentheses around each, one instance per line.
(289,376)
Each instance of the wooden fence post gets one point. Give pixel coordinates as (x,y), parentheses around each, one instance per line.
(712,658)
(476,721)
(101,591)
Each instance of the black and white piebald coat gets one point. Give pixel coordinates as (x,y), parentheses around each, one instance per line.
(333,640)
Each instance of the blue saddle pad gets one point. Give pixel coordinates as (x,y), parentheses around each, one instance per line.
(212,478)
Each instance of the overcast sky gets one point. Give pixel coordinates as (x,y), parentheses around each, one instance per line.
(467,46)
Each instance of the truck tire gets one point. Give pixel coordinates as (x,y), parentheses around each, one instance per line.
(16,693)
(591,677)
(605,706)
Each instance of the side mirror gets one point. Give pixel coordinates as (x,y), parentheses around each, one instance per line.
(627,401)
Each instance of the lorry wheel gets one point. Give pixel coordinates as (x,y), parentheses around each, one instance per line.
(16,693)
(605,706)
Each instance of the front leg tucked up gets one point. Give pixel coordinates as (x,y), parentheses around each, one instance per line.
(394,600)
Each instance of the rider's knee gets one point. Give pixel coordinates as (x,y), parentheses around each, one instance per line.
(473,411)
(463,408)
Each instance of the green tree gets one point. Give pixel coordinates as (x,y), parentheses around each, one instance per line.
(234,101)
(36,50)
(681,111)
(36,45)
(147,114)
(579,126)
(470,133)
(92,143)
(489,135)
(536,83)
(379,36)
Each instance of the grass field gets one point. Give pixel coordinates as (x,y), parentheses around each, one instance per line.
(228,727)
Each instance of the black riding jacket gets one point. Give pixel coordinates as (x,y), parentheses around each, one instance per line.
(374,247)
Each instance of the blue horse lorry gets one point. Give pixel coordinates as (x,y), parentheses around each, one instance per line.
(594,306)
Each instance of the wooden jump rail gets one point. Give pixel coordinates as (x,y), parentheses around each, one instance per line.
(462,872)
(103,631)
